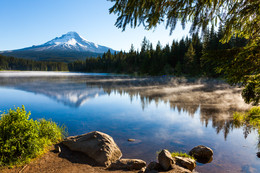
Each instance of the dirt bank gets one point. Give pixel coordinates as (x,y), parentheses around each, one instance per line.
(64,162)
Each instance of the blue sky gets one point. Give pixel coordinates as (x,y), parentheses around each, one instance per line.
(32,22)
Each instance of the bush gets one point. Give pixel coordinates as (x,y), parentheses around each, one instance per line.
(22,139)
(50,131)
(251,117)
(181,154)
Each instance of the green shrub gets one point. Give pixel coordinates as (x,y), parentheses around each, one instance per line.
(181,154)
(22,139)
(50,131)
(251,117)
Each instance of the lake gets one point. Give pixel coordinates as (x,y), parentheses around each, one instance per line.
(159,112)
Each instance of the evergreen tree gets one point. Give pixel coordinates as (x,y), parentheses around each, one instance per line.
(241,18)
(189,60)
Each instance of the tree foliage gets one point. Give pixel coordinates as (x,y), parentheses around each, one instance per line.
(236,18)
(11,63)
(241,17)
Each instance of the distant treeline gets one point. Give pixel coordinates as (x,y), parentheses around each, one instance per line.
(188,56)
(53,56)
(11,63)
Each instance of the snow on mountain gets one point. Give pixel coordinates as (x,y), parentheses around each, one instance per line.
(71,41)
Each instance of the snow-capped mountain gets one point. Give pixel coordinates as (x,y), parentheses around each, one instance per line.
(72,41)
(70,45)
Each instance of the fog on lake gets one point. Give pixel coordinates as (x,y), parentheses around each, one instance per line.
(159,112)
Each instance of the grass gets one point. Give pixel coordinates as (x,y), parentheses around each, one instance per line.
(181,154)
(22,139)
(251,117)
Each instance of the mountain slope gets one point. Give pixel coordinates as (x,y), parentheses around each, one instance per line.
(68,47)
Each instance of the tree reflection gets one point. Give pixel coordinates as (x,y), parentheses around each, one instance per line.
(220,116)
(215,100)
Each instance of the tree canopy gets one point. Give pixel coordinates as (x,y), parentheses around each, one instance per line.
(239,18)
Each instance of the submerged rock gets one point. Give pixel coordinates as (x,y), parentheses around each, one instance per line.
(131,140)
(185,162)
(97,145)
(129,164)
(165,160)
(202,154)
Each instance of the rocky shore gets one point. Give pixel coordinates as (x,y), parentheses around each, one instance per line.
(97,152)
(105,152)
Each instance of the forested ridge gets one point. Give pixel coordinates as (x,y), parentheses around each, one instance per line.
(188,56)
(191,56)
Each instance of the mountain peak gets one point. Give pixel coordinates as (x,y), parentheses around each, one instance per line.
(72,41)
(72,33)
(69,44)
(70,38)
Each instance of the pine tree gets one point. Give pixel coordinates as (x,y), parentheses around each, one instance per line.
(189,60)
(240,19)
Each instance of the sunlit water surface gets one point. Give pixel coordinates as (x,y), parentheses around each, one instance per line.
(154,123)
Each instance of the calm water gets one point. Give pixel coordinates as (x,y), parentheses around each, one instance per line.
(125,107)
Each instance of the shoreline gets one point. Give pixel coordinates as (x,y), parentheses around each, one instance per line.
(65,162)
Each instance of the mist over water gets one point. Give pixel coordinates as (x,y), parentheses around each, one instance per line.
(159,112)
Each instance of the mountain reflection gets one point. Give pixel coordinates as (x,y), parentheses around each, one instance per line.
(61,89)
(215,100)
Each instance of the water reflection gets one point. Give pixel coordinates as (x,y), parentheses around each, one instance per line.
(215,99)
(59,89)
(199,111)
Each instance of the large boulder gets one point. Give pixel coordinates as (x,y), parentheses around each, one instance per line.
(97,145)
(185,162)
(202,154)
(165,160)
(129,164)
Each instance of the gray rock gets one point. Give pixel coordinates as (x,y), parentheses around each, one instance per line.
(153,166)
(97,145)
(129,164)
(185,162)
(165,160)
(202,154)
